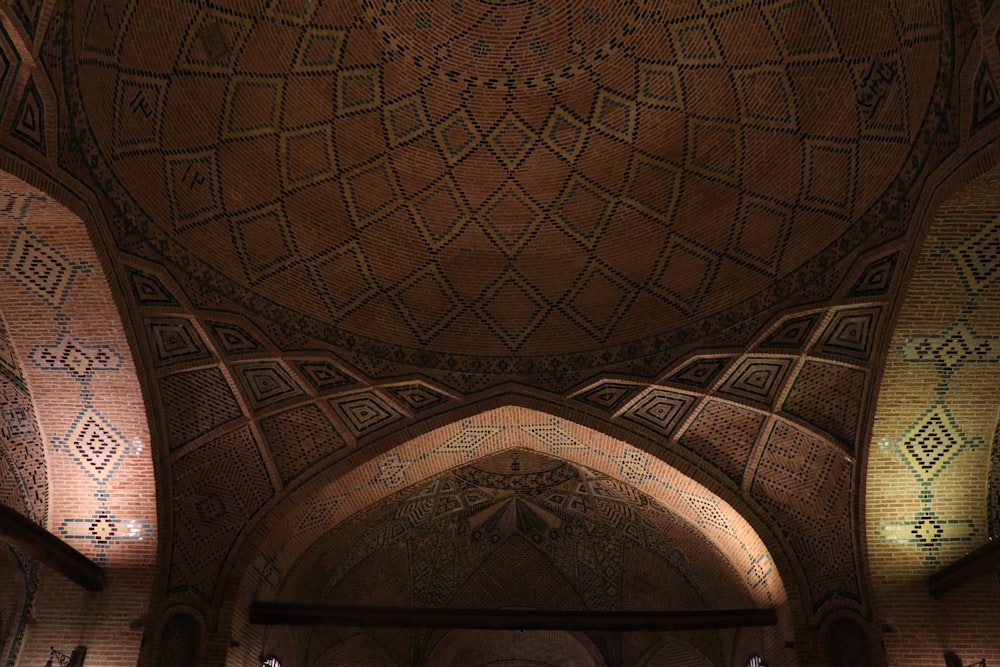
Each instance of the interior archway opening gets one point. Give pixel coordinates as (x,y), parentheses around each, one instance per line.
(520,524)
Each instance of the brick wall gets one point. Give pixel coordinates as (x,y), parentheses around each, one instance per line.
(70,344)
(926,493)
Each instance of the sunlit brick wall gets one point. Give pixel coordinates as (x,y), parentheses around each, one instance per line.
(926,502)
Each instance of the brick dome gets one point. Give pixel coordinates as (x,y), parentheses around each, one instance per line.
(281,274)
(500,177)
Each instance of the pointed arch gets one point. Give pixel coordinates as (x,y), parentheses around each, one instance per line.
(307,512)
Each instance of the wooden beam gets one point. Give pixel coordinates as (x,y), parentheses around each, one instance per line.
(38,543)
(983,560)
(289,613)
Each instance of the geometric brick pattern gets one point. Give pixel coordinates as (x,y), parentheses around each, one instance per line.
(175,340)
(929,459)
(417,397)
(234,339)
(975,259)
(298,438)
(828,397)
(95,445)
(29,123)
(607,395)
(323,375)
(76,358)
(950,350)
(266,382)
(660,409)
(986,107)
(24,486)
(448,202)
(365,412)
(9,365)
(217,490)
(851,333)
(572,538)
(538,227)
(792,333)
(700,373)
(932,442)
(196,402)
(724,434)
(40,268)
(806,485)
(757,379)
(148,290)
(876,278)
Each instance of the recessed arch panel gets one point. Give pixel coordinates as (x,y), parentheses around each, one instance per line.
(312,510)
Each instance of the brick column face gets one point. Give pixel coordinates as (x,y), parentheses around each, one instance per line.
(926,496)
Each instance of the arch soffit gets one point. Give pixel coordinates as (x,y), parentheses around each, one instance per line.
(925,392)
(333,496)
(77,363)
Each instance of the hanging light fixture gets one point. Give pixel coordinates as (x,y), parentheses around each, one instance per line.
(57,658)
(74,659)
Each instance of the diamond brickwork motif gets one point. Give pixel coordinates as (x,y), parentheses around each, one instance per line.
(792,333)
(852,332)
(608,395)
(977,259)
(393,206)
(148,290)
(418,396)
(469,439)
(365,412)
(234,339)
(876,278)
(29,125)
(78,359)
(95,445)
(323,375)
(265,383)
(490,141)
(660,409)
(700,373)
(175,340)
(39,268)
(952,349)
(931,443)
(757,379)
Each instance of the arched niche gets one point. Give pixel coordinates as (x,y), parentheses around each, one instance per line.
(847,643)
(179,641)
(290,528)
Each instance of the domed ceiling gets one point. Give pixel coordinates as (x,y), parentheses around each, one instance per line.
(502,177)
